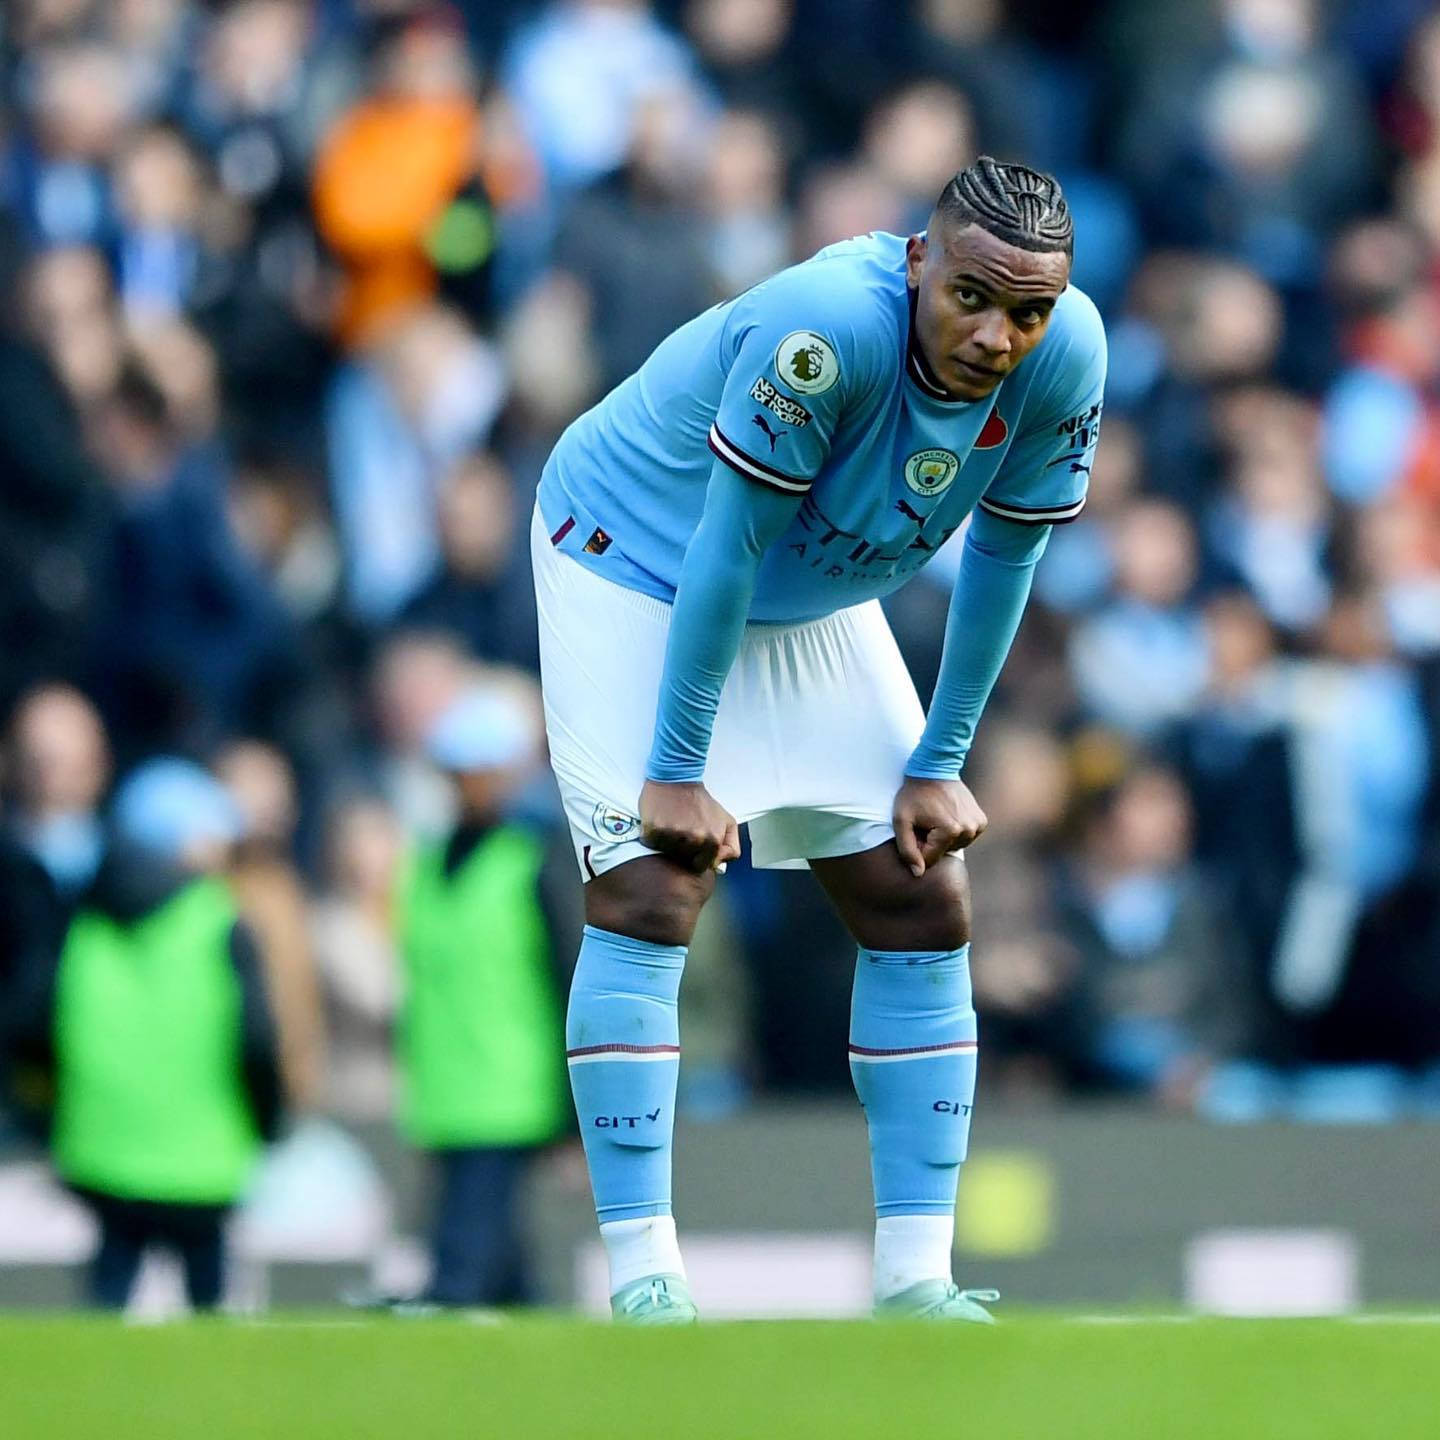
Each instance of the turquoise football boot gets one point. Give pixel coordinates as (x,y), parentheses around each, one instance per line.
(655,1300)
(938,1300)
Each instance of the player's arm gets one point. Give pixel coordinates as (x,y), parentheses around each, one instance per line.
(934,810)
(997,566)
(1041,483)
(771,435)
(712,602)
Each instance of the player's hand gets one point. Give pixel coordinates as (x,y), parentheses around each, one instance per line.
(934,817)
(686,823)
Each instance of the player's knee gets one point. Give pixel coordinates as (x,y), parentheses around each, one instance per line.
(932,913)
(648,899)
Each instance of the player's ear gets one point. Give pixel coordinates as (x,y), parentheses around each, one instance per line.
(914,260)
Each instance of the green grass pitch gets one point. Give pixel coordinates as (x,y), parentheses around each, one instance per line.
(1039,1376)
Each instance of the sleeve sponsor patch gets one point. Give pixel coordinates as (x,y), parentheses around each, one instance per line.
(1081,430)
(788,411)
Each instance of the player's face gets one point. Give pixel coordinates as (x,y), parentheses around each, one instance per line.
(981,305)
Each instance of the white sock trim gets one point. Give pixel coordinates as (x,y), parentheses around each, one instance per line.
(637,1248)
(911,1248)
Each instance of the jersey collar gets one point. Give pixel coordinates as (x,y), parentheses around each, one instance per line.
(918,368)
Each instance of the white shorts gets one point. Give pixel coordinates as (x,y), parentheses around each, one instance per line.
(815,725)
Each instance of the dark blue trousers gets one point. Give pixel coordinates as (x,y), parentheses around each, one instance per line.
(479,1251)
(194,1233)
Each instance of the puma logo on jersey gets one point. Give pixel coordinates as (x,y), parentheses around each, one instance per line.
(771,435)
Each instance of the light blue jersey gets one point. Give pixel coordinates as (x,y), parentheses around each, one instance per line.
(810,383)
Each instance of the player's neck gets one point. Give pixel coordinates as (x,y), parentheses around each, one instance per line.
(919,369)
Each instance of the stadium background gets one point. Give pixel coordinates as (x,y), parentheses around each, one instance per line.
(296,297)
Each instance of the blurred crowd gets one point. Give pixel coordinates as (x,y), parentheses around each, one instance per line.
(297,295)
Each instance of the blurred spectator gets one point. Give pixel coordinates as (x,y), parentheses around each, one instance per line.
(165,1076)
(150,37)
(390,178)
(158,200)
(580,72)
(1195,324)
(56,771)
(744,193)
(1078,566)
(747,50)
(259,96)
(428,391)
(352,928)
(484,918)
(1026,967)
(483,594)
(554,318)
(1382,426)
(1163,972)
(1397,557)
(1140,661)
(1272,526)
(416,676)
(974,46)
(68,303)
(271,897)
(1347,970)
(79,103)
(1239,708)
(846,56)
(1408,37)
(916,141)
(53,515)
(194,629)
(632,239)
(186,372)
(1259,143)
(842,200)
(277,513)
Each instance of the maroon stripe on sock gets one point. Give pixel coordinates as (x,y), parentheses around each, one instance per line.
(623,1050)
(916,1049)
(563,531)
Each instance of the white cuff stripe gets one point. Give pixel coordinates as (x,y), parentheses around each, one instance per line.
(927,1052)
(1036,516)
(739,460)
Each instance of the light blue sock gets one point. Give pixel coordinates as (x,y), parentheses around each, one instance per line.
(912,1058)
(622,1041)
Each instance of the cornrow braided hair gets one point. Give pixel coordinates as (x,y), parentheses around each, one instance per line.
(1020,206)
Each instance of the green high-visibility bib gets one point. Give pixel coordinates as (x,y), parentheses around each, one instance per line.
(150,1102)
(481,1040)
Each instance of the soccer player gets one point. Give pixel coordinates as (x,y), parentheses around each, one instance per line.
(710,545)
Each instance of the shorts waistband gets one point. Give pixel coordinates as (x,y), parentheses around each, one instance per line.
(658,609)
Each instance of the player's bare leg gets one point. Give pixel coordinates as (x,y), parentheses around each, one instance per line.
(651,898)
(912,1057)
(623,1042)
(886,907)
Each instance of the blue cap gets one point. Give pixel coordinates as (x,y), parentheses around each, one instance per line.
(167,805)
(484,729)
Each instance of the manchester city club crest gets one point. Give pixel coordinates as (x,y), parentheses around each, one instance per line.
(805,363)
(615,824)
(930,472)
